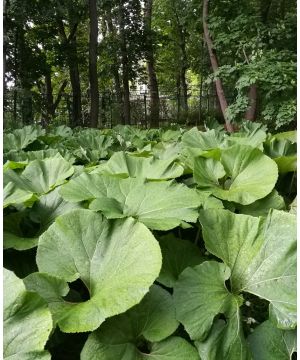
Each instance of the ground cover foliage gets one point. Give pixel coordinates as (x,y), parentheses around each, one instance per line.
(126,243)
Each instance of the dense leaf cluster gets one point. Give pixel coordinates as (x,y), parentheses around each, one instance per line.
(124,243)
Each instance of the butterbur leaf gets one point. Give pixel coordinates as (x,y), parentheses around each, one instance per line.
(248,174)
(20,138)
(116,260)
(252,134)
(27,321)
(261,254)
(263,206)
(41,215)
(207,140)
(283,152)
(39,177)
(208,172)
(270,343)
(20,157)
(13,234)
(140,333)
(173,348)
(14,196)
(49,207)
(226,340)
(191,293)
(177,255)
(125,165)
(159,205)
(153,319)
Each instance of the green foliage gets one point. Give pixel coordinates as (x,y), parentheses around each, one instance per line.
(165,243)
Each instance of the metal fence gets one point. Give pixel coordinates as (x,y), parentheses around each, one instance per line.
(21,108)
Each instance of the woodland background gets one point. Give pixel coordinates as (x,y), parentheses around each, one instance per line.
(149,63)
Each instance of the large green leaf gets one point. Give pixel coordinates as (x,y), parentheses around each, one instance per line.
(173,348)
(20,157)
(270,343)
(116,260)
(194,287)
(20,138)
(159,205)
(247,174)
(261,254)
(226,340)
(283,152)
(250,133)
(207,140)
(16,234)
(49,207)
(39,177)
(27,321)
(42,214)
(263,206)
(125,165)
(12,195)
(152,320)
(177,255)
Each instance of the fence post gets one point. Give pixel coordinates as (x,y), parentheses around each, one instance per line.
(145,109)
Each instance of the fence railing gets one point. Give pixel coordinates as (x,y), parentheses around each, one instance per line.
(21,108)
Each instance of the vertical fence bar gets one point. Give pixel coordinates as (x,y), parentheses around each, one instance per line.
(145,109)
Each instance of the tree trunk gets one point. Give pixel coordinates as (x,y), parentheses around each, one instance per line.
(49,97)
(215,67)
(252,95)
(125,65)
(93,74)
(75,84)
(184,90)
(184,60)
(4,48)
(178,95)
(152,78)
(70,44)
(115,71)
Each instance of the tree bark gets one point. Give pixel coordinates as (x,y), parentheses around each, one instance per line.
(93,74)
(215,67)
(152,78)
(72,59)
(178,96)
(184,60)
(252,95)
(75,84)
(49,97)
(115,71)
(125,65)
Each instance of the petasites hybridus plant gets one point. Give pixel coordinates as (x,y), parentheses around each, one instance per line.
(134,244)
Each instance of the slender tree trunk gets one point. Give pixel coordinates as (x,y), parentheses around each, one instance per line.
(152,78)
(184,59)
(49,96)
(252,95)
(75,84)
(93,74)
(25,82)
(70,43)
(4,48)
(215,67)
(184,90)
(125,65)
(178,95)
(119,94)
(115,70)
